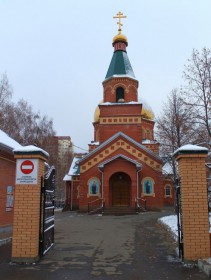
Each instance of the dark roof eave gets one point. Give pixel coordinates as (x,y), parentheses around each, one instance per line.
(6,148)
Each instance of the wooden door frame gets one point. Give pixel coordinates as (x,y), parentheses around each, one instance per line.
(113,179)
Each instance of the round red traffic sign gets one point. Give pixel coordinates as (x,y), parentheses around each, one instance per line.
(27,166)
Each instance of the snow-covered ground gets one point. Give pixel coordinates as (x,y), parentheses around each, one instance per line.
(170,222)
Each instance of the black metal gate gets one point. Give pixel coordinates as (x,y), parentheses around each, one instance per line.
(47,211)
(179,218)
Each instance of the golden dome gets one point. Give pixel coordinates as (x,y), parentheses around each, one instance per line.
(146,112)
(119,38)
(97,113)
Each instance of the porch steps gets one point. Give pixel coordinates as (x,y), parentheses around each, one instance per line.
(119,211)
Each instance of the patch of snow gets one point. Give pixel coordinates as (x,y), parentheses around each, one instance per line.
(94,143)
(67,177)
(145,104)
(171,223)
(208,260)
(73,169)
(121,76)
(32,149)
(8,141)
(120,103)
(190,147)
(146,141)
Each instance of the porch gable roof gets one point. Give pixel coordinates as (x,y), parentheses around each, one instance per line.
(137,164)
(124,136)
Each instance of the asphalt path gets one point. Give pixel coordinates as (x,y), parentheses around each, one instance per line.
(133,247)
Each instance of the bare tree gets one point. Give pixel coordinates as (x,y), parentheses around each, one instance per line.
(5,90)
(19,120)
(174,127)
(197,75)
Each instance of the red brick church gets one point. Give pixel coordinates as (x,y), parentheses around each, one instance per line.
(123,167)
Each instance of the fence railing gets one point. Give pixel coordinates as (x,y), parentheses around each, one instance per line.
(140,204)
(96,206)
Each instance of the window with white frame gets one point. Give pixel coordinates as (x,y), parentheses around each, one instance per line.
(167,191)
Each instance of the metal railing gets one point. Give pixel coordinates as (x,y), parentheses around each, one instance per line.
(140,204)
(96,206)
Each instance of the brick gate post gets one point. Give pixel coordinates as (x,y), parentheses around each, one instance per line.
(195,219)
(30,168)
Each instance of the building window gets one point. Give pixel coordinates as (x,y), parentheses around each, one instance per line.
(148,187)
(167,191)
(10,198)
(120,95)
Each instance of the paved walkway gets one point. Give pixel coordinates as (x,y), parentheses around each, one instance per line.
(101,248)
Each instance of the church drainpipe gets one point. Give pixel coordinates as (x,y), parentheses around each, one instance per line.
(101,171)
(137,188)
(71,197)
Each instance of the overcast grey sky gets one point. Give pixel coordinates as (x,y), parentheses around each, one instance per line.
(56,52)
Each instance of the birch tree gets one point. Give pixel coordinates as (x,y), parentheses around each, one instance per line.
(197,90)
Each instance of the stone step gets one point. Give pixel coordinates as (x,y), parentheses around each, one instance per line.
(118,211)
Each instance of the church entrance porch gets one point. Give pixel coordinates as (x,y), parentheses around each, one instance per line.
(120,189)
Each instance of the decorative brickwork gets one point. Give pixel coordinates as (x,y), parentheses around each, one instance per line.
(25,245)
(195,221)
(111,149)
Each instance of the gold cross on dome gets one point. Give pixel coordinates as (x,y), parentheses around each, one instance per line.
(119,15)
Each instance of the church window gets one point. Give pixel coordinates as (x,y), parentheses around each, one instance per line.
(120,95)
(148,187)
(167,191)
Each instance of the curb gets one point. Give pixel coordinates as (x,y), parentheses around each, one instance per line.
(5,241)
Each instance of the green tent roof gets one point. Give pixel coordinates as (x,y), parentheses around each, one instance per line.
(120,65)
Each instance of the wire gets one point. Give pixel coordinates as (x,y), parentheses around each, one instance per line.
(79,148)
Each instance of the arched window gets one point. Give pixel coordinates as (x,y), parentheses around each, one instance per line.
(167,191)
(120,95)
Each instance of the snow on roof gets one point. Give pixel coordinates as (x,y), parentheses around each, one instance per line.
(190,147)
(67,178)
(94,143)
(74,169)
(121,76)
(120,103)
(8,141)
(29,149)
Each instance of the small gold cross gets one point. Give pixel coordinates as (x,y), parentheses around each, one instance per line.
(119,16)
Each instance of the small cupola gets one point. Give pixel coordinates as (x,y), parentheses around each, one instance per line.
(120,65)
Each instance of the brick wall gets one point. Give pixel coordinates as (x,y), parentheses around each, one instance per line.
(195,220)
(25,245)
(128,84)
(7,178)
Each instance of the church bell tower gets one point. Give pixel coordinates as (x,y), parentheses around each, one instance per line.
(120,109)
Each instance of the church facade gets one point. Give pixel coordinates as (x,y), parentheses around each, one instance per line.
(123,167)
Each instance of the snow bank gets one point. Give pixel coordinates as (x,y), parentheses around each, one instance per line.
(170,222)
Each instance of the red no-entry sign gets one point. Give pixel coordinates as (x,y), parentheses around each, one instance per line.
(27,167)
(26,171)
